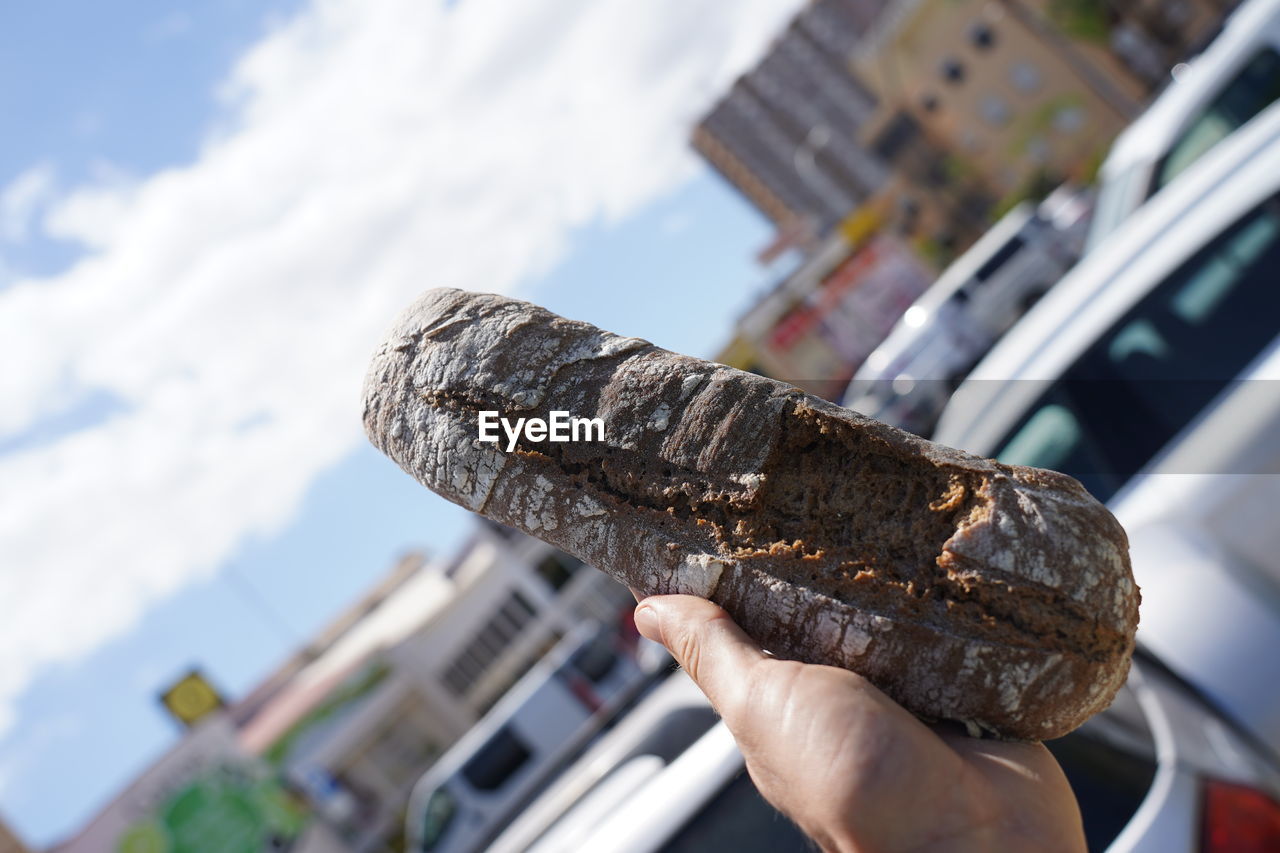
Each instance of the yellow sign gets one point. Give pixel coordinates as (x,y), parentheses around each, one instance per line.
(861,224)
(191,699)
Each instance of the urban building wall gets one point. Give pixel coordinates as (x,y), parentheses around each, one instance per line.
(1008,97)
(485,618)
(939,115)
(786,134)
(346,727)
(819,323)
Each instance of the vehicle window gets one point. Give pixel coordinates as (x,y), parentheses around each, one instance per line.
(496,761)
(1000,258)
(738,819)
(676,732)
(440,810)
(1051,435)
(1160,364)
(670,736)
(597,659)
(1256,87)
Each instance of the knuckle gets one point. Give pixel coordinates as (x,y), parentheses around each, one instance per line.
(685,646)
(694,646)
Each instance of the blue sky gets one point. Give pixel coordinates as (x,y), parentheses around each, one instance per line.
(125,86)
(207,217)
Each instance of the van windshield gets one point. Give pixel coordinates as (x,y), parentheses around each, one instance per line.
(1160,364)
(496,761)
(1253,90)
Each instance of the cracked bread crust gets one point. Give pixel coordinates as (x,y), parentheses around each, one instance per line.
(994,595)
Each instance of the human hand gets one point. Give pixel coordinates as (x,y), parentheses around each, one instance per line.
(855,770)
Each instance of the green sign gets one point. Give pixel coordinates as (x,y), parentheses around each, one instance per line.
(221,812)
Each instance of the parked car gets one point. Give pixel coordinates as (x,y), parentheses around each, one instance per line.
(1155,772)
(1150,374)
(907,379)
(471,792)
(650,736)
(1235,78)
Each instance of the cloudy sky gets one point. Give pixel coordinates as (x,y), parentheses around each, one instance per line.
(207,219)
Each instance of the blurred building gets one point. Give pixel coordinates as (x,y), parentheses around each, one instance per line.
(787,134)
(810,143)
(10,843)
(205,793)
(358,724)
(1009,96)
(817,325)
(937,116)
(321,757)
(1148,36)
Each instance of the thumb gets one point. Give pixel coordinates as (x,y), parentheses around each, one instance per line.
(705,641)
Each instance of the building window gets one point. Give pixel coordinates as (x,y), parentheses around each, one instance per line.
(982,36)
(558,568)
(896,139)
(1026,77)
(1038,150)
(1068,119)
(488,644)
(995,111)
(951,70)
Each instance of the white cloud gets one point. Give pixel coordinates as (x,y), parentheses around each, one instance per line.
(368,151)
(21,200)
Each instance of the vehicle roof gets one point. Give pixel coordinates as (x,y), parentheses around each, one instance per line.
(677,692)
(963,268)
(667,801)
(1149,137)
(519,695)
(954,277)
(1229,180)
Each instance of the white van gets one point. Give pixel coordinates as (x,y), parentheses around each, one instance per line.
(475,788)
(907,379)
(651,736)
(1237,77)
(1152,375)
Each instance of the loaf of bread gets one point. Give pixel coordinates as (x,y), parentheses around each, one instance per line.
(997,596)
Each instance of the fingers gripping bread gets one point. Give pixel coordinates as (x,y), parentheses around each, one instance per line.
(994,595)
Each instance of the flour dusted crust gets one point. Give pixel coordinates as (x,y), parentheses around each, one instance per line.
(994,595)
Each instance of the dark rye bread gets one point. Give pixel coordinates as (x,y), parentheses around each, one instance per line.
(994,595)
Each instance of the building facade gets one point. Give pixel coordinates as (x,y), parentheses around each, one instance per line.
(817,325)
(787,133)
(358,726)
(995,84)
(939,115)
(329,747)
